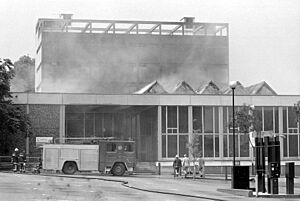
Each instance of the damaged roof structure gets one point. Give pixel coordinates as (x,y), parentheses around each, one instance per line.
(183,88)
(209,88)
(152,88)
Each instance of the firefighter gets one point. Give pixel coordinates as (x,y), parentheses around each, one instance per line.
(22,161)
(38,167)
(186,165)
(15,160)
(177,164)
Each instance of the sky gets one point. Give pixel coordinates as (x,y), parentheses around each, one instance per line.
(264,35)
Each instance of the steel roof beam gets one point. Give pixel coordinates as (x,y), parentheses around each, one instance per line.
(175,29)
(86,27)
(131,28)
(109,27)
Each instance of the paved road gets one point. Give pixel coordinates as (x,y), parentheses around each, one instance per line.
(20,187)
(60,188)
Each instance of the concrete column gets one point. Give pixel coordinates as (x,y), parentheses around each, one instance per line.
(159,143)
(280,127)
(221,153)
(138,137)
(27,134)
(62,120)
(190,125)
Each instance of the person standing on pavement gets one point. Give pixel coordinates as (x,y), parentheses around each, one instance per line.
(22,161)
(186,165)
(177,164)
(15,160)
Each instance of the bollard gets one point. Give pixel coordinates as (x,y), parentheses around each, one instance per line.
(159,168)
(290,175)
(256,185)
(274,185)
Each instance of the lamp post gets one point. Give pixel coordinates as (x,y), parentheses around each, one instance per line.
(233,85)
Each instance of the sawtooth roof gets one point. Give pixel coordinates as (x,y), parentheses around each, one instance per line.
(183,87)
(261,88)
(152,88)
(208,88)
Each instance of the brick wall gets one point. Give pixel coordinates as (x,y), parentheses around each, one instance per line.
(45,123)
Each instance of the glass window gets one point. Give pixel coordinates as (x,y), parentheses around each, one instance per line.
(284,120)
(208,119)
(163,119)
(107,125)
(172,116)
(183,119)
(89,128)
(119,125)
(216,120)
(258,115)
(276,120)
(200,145)
(217,146)
(293,145)
(172,145)
(183,148)
(98,125)
(89,116)
(163,146)
(285,146)
(244,149)
(292,118)
(208,146)
(72,116)
(231,146)
(128,147)
(268,118)
(230,119)
(225,121)
(111,147)
(197,119)
(225,144)
(74,128)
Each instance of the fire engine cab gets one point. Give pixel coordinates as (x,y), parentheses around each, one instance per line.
(106,156)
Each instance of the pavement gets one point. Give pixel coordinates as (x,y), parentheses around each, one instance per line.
(212,187)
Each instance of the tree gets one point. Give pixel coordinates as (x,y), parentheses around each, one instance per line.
(23,80)
(297,111)
(14,123)
(194,150)
(246,121)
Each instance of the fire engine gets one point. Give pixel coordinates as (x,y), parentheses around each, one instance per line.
(101,155)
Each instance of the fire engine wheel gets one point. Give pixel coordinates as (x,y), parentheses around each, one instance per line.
(70,168)
(118,169)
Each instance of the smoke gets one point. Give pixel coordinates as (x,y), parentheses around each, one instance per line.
(110,64)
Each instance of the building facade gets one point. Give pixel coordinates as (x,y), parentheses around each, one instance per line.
(162,125)
(108,78)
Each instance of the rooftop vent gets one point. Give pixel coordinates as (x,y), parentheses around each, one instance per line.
(189,22)
(66,16)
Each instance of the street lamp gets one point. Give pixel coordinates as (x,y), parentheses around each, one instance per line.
(233,85)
